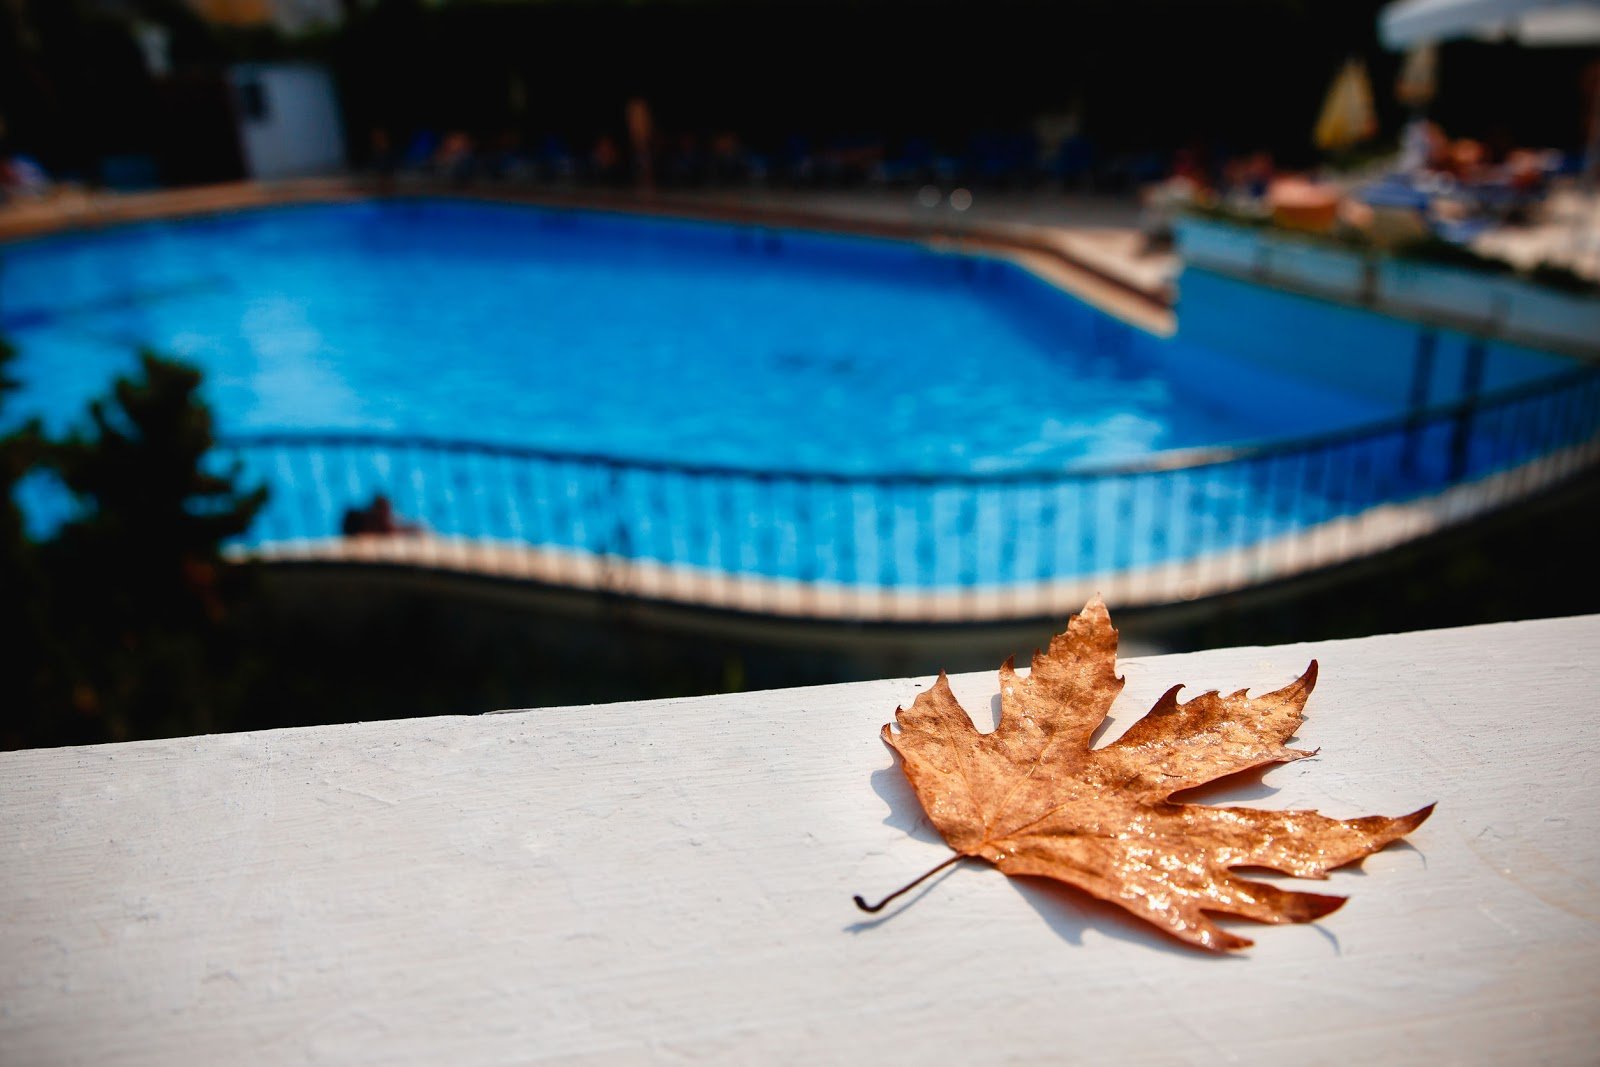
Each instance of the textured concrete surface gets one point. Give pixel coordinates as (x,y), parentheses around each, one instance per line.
(672,880)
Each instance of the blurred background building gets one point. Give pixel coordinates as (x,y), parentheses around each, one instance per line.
(1096,94)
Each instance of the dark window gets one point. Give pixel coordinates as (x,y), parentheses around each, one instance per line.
(253,101)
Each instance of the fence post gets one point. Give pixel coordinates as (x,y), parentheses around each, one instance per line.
(1417,403)
(1461,431)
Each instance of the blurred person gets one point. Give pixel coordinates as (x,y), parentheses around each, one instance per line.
(684,163)
(376,519)
(1468,159)
(641,137)
(1589,86)
(420,151)
(727,157)
(1163,201)
(20,175)
(605,159)
(1498,143)
(381,156)
(797,162)
(507,159)
(1187,167)
(850,158)
(1054,130)
(1526,170)
(1423,146)
(1247,177)
(554,159)
(457,157)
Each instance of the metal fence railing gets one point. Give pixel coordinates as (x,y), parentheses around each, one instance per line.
(1163,527)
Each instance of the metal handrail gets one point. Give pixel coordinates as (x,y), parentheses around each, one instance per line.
(1165,461)
(918,545)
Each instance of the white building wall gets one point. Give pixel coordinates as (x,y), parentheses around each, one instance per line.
(289,122)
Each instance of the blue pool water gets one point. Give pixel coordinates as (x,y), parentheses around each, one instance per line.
(655,340)
(889,415)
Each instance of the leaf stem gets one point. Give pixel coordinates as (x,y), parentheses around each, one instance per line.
(864,906)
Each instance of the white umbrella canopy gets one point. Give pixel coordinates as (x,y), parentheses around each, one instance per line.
(1560,27)
(1549,23)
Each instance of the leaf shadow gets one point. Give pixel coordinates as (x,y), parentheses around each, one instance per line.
(1403,845)
(1358,868)
(1330,937)
(1249,784)
(862,925)
(905,811)
(1069,912)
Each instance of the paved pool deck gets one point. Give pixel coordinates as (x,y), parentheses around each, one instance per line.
(1566,232)
(1101,232)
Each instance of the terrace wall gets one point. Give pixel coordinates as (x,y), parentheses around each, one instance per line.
(672,880)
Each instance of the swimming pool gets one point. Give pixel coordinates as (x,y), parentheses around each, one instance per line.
(632,338)
(740,399)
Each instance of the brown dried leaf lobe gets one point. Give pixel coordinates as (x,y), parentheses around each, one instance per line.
(1034,799)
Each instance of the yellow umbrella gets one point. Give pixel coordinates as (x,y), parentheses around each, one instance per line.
(1347,116)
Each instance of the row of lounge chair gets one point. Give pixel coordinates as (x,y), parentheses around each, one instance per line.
(1459,208)
(991,158)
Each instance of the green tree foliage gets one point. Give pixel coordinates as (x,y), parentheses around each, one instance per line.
(23,651)
(135,612)
(19,453)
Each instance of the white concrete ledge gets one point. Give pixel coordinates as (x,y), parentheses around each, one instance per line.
(671,881)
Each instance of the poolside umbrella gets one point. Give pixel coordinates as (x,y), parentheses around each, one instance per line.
(1419,77)
(1548,23)
(1533,23)
(1347,116)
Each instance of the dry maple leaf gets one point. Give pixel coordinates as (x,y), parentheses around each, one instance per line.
(1034,799)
